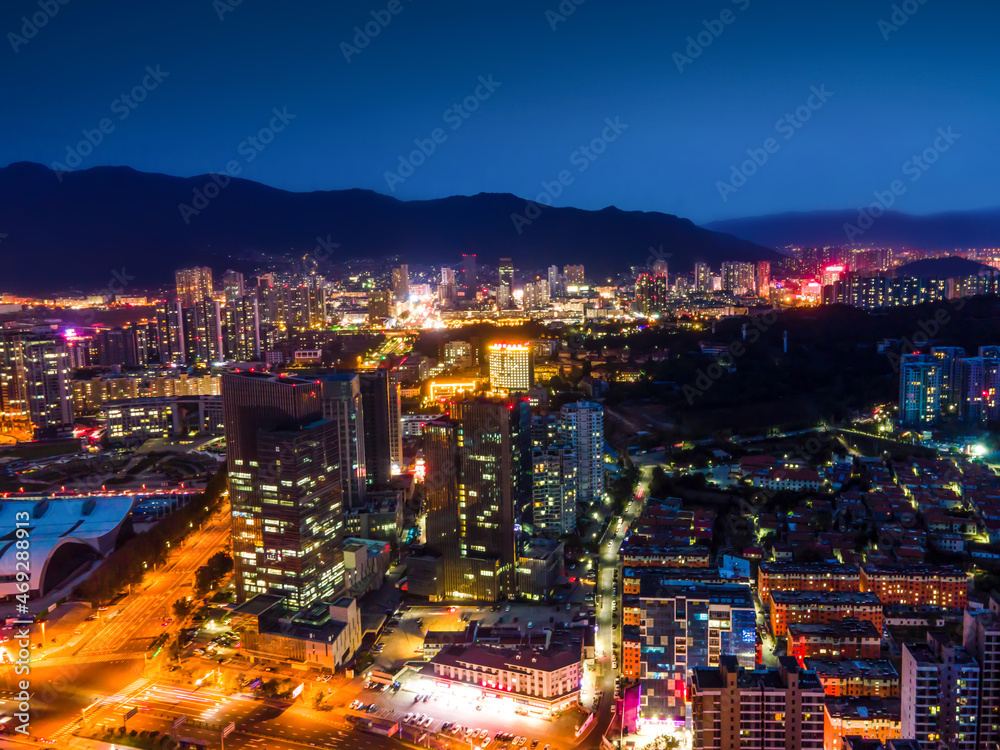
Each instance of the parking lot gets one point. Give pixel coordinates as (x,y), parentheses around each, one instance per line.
(450,712)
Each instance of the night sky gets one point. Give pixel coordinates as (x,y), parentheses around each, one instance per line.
(561,77)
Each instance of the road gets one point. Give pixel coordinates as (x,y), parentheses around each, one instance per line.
(106,658)
(608,638)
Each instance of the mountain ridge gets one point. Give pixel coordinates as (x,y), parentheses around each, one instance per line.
(84,227)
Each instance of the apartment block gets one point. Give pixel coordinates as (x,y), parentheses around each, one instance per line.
(856,678)
(816,607)
(805,577)
(849,638)
(873,719)
(765,709)
(916,585)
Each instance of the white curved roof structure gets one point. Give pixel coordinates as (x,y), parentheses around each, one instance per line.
(53,523)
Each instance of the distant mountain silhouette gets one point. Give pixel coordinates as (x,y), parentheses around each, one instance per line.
(93,227)
(944,231)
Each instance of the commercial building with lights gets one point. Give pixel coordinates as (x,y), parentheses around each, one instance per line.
(477,481)
(684,626)
(733,708)
(133,421)
(35,382)
(284,486)
(543,682)
(511,368)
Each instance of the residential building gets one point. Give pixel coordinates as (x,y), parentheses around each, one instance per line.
(849,638)
(788,576)
(822,607)
(940,694)
(946,587)
(856,678)
(919,390)
(867,718)
(380,403)
(553,491)
(733,708)
(193,285)
(981,638)
(401,283)
(686,626)
(343,405)
(739,278)
(583,428)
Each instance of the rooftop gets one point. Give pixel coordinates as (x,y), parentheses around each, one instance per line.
(826,597)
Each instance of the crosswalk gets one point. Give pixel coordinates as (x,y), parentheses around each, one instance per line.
(126,693)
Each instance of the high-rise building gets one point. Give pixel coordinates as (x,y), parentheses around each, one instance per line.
(284,488)
(383,437)
(110,347)
(981,389)
(343,405)
(448,288)
(651,293)
(170,333)
(951,359)
(203,332)
(686,626)
(233,286)
(555,282)
(35,380)
(583,428)
(401,283)
(477,471)
(505,288)
(738,278)
(511,368)
(380,306)
(574,275)
(939,699)
(763,278)
(733,708)
(536,295)
(702,277)
(470,275)
(553,491)
(919,390)
(139,339)
(981,638)
(242,330)
(193,285)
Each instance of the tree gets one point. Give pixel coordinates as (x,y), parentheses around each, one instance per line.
(182,608)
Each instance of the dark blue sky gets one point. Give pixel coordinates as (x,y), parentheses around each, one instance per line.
(609,59)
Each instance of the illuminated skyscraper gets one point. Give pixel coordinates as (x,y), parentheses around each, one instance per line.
(553,488)
(203,332)
(919,390)
(505,290)
(284,487)
(343,404)
(401,283)
(763,278)
(242,330)
(702,277)
(583,428)
(739,278)
(170,333)
(383,437)
(34,382)
(511,368)
(232,284)
(193,285)
(477,472)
